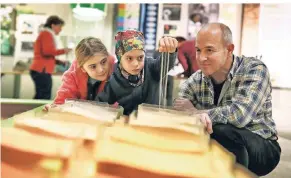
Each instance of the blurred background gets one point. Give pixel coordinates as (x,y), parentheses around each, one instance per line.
(261,30)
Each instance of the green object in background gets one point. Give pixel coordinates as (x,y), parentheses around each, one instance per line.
(96,6)
(23,10)
(5,46)
(62,68)
(5,34)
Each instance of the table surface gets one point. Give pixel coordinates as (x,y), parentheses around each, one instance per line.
(31,113)
(23,101)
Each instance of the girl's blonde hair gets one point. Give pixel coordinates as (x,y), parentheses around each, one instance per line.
(87,48)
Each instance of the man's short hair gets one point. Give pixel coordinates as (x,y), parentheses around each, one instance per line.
(226,34)
(225,31)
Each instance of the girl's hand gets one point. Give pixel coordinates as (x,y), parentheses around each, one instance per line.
(48,106)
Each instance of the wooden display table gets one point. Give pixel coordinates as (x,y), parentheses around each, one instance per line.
(10,107)
(172,144)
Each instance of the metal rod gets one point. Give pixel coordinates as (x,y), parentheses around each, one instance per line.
(166,79)
(161,78)
(165,61)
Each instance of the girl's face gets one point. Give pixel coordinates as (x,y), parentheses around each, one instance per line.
(133,61)
(97,67)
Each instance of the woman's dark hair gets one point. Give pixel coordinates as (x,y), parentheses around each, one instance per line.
(180,39)
(53,20)
(197,14)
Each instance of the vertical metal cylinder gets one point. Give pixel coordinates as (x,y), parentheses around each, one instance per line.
(164,79)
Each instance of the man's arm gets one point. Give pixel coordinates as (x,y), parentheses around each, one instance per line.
(186,97)
(187,90)
(131,101)
(249,98)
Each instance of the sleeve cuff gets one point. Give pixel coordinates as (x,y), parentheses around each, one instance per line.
(216,116)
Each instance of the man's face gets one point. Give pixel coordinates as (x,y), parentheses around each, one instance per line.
(133,61)
(97,67)
(211,53)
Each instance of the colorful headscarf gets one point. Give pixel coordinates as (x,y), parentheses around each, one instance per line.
(128,40)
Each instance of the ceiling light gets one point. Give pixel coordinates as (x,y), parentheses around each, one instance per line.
(88,14)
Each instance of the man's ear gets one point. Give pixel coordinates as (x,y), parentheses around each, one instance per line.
(230,49)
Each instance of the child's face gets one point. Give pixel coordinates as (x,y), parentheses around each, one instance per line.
(133,61)
(97,67)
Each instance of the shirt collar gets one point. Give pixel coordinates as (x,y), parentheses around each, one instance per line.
(125,74)
(233,67)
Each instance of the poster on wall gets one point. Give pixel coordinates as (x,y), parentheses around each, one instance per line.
(170,30)
(199,15)
(120,17)
(27,29)
(27,46)
(128,16)
(171,12)
(148,25)
(29,24)
(131,17)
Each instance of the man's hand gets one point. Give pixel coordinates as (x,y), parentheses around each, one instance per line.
(186,105)
(183,104)
(204,118)
(168,44)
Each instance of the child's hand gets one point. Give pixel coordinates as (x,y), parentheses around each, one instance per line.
(168,44)
(48,106)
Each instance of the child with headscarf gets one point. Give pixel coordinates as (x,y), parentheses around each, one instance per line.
(136,78)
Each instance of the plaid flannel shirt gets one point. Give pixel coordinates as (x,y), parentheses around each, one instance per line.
(245,98)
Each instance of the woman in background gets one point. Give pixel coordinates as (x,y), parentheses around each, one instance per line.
(44,60)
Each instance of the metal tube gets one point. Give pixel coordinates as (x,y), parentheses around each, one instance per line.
(166,79)
(161,78)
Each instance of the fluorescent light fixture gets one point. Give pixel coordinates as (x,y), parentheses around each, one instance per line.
(88,14)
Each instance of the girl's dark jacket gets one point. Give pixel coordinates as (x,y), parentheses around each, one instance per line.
(118,89)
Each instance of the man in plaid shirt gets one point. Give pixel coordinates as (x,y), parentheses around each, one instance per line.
(235,93)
